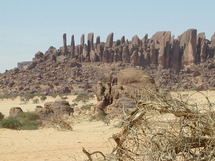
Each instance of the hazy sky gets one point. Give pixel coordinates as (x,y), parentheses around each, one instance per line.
(28,26)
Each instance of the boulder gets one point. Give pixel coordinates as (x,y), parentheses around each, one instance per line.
(15,112)
(22,64)
(125,84)
(31,65)
(59,107)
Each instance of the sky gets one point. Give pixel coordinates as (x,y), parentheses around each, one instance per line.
(29,26)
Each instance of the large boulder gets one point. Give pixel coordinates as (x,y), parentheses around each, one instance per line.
(59,107)
(15,112)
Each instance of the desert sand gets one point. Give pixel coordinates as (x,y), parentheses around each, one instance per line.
(53,145)
(49,144)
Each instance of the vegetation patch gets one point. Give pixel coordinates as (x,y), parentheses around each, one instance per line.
(84,97)
(87,106)
(10,123)
(26,121)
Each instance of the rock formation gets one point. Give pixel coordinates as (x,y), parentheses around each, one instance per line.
(109,41)
(72,46)
(64,44)
(188,47)
(175,63)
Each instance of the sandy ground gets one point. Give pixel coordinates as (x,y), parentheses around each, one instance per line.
(49,144)
(54,145)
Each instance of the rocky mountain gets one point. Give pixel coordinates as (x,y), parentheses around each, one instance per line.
(185,62)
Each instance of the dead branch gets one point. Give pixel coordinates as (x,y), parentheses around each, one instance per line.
(90,154)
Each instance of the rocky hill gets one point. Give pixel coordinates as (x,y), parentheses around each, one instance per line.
(182,63)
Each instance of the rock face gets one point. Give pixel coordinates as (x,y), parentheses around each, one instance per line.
(172,62)
(213,41)
(90,41)
(109,41)
(188,45)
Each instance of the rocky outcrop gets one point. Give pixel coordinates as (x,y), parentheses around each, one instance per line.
(213,41)
(161,51)
(65,50)
(109,41)
(188,47)
(118,90)
(72,46)
(67,69)
(90,42)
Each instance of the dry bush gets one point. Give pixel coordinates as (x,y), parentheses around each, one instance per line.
(60,122)
(166,129)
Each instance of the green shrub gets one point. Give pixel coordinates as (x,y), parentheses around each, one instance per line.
(10,123)
(53,95)
(84,97)
(30,116)
(29,125)
(26,121)
(43,98)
